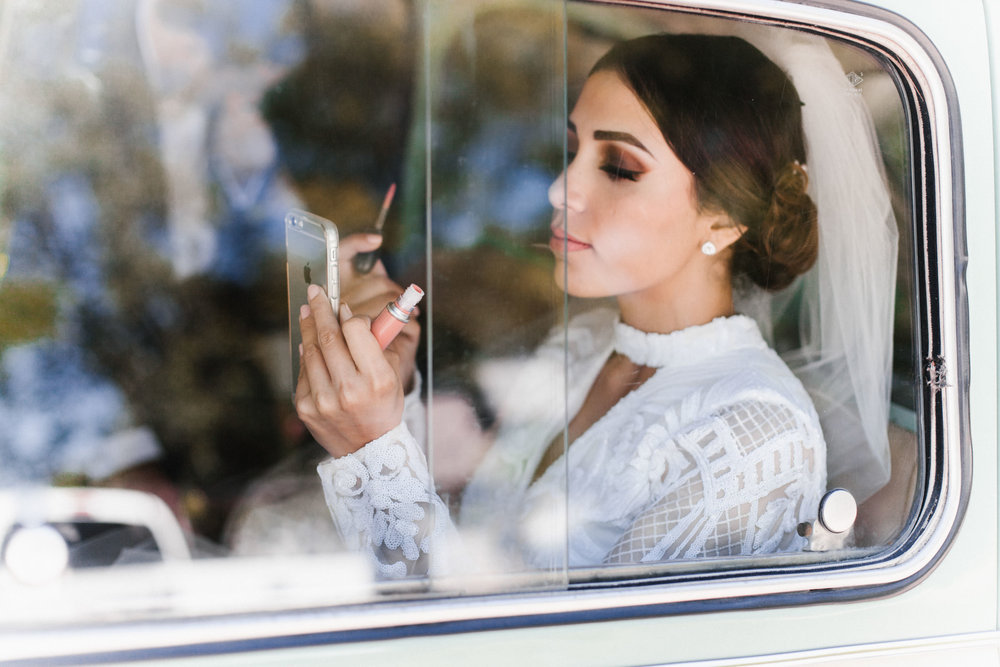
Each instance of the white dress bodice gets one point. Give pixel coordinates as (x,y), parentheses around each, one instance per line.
(718,453)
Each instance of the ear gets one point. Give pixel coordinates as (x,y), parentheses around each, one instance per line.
(724,232)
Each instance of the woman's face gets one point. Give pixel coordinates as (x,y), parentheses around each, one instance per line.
(626,219)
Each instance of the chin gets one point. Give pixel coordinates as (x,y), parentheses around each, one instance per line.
(575,287)
(558,276)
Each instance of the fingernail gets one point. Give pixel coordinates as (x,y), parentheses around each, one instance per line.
(304,311)
(300,349)
(345,312)
(314,291)
(374,238)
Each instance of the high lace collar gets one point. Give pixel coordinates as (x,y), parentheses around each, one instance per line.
(687,346)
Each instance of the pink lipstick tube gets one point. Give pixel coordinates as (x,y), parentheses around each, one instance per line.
(396,314)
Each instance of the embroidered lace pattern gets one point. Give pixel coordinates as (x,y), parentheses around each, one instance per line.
(381,500)
(719,453)
(736,490)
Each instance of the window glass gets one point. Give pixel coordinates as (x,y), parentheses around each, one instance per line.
(150,154)
(494,115)
(790,318)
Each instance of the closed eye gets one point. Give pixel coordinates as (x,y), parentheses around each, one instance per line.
(619,166)
(617,172)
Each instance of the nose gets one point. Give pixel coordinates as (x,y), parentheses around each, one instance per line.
(563,194)
(557,191)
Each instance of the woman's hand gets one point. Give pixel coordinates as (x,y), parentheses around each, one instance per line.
(358,288)
(349,392)
(368,294)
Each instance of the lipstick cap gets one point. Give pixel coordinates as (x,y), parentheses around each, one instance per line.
(410,298)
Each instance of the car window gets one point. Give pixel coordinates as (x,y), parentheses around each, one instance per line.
(885,505)
(151,153)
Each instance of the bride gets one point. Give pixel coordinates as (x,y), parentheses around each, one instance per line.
(689,436)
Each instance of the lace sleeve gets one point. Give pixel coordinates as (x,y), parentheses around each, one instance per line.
(382,501)
(738,485)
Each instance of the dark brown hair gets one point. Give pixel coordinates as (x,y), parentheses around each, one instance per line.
(734,119)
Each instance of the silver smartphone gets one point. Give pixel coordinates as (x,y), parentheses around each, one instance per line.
(311,245)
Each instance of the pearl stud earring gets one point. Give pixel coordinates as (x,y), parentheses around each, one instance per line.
(708,248)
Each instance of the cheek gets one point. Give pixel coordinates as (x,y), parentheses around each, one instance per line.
(652,243)
(669,222)
(630,249)
(638,229)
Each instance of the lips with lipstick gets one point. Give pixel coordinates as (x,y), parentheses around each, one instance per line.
(562,242)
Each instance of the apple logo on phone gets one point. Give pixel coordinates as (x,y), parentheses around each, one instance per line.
(307,274)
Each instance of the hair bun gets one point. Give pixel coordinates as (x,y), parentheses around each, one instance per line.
(787,241)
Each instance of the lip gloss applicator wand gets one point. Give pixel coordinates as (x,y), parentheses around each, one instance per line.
(364,261)
(396,314)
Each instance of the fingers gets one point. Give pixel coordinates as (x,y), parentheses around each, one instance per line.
(369,292)
(336,355)
(348,392)
(322,354)
(314,376)
(369,297)
(352,245)
(364,348)
(326,335)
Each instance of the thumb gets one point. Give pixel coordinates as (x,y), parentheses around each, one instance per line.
(355,243)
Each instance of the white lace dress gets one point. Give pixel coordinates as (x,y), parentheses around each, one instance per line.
(719,453)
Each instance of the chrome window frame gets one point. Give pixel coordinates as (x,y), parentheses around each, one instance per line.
(941,326)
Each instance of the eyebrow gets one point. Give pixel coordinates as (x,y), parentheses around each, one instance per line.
(610,135)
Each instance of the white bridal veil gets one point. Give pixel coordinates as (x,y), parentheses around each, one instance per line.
(845,303)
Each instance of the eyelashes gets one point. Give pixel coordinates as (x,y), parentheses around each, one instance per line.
(619,166)
(616,172)
(615,163)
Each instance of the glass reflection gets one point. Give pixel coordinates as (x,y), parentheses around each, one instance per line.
(146,251)
(151,151)
(496,114)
